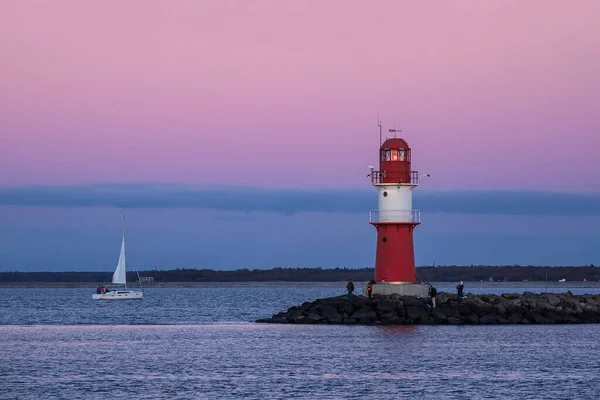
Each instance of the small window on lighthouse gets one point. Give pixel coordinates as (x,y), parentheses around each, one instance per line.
(401,155)
(385,155)
(394,155)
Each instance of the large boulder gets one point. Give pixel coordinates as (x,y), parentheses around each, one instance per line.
(301,319)
(415,312)
(589,316)
(454,321)
(569,319)
(392,319)
(280,318)
(517,309)
(386,306)
(427,320)
(295,316)
(515,318)
(476,306)
(464,309)
(401,310)
(450,310)
(488,320)
(331,314)
(593,300)
(490,298)
(413,301)
(500,308)
(555,317)
(536,318)
(439,316)
(365,315)
(313,319)
(345,307)
(552,299)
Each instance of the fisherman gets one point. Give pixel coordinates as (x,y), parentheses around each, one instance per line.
(350,287)
(460,288)
(432,294)
(369,289)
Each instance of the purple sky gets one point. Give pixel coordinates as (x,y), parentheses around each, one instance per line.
(494,94)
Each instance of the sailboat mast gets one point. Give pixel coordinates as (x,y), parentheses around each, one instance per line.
(124,246)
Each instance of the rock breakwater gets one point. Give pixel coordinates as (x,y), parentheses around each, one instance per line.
(508,308)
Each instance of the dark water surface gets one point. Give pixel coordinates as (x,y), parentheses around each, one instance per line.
(200,343)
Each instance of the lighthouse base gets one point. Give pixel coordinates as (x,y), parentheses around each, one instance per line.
(402,289)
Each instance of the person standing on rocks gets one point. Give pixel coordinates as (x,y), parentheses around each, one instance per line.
(350,287)
(432,294)
(369,289)
(460,288)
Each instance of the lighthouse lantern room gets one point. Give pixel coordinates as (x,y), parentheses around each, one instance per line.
(395,220)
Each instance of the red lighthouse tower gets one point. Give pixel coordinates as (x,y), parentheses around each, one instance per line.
(395,221)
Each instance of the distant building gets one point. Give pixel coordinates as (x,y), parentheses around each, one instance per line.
(146,279)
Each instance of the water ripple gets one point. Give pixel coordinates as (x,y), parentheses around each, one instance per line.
(187,343)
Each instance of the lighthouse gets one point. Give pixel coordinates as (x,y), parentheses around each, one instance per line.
(395,220)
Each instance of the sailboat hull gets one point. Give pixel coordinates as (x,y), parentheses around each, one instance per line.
(119,295)
(120,278)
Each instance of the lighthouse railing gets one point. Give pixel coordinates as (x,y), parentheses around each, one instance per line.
(391,216)
(377,177)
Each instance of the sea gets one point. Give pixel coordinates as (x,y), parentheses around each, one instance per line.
(200,341)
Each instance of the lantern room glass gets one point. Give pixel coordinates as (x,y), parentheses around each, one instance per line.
(400,154)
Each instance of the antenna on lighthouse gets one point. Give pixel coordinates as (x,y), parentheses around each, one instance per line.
(395,130)
(379,125)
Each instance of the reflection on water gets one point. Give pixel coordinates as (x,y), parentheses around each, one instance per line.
(398,330)
(289,361)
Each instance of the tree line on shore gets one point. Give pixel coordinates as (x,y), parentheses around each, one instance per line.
(453,273)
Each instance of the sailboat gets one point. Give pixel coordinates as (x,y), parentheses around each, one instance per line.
(120,278)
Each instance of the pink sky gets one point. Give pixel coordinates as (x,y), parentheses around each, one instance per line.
(490,94)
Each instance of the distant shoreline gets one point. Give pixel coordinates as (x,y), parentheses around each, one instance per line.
(163,284)
(194,277)
(342,284)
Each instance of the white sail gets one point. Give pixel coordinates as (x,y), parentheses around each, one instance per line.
(119,278)
(119,275)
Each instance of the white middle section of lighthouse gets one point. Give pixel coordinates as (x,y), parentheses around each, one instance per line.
(395,204)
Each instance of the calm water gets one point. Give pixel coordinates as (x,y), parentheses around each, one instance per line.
(196,343)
